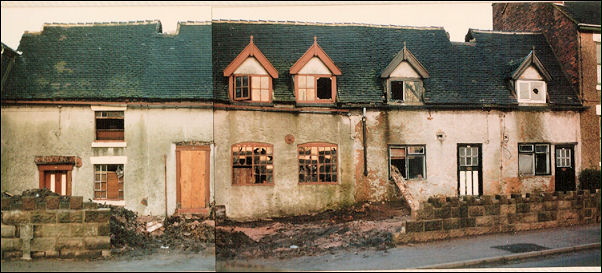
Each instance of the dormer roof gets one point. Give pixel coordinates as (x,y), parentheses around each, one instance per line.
(251,51)
(405,56)
(315,51)
(531,60)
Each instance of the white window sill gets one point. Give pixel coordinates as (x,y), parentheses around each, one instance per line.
(120,203)
(109,144)
(598,87)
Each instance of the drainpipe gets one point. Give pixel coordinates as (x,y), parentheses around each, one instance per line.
(165,161)
(365,143)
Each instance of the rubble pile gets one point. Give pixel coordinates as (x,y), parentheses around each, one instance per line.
(363,226)
(189,233)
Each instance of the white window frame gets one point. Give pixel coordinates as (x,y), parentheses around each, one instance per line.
(530,82)
(407,154)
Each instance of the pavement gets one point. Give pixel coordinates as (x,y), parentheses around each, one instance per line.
(454,253)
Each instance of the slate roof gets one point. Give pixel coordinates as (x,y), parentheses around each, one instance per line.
(583,12)
(135,61)
(113,61)
(460,73)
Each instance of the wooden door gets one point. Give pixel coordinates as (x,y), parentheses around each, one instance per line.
(192,178)
(470,169)
(565,168)
(56,181)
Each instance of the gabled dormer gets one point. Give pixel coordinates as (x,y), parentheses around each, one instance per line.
(250,76)
(529,80)
(315,76)
(403,78)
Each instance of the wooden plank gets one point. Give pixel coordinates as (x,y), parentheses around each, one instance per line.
(112,186)
(185,178)
(63,184)
(462,183)
(468,182)
(475,182)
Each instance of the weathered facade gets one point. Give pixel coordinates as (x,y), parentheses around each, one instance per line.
(573,30)
(290,118)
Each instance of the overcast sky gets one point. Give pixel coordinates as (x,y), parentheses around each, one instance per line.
(455,17)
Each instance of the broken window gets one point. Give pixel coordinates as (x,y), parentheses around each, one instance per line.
(531,91)
(314,88)
(109,125)
(255,88)
(252,164)
(317,163)
(397,90)
(409,160)
(108,181)
(534,159)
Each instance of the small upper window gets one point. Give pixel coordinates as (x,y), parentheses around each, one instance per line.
(109,125)
(315,88)
(531,91)
(255,88)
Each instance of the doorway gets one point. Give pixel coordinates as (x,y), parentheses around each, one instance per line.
(192,175)
(470,177)
(565,168)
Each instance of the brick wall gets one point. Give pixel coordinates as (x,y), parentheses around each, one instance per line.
(54,226)
(443,218)
(590,122)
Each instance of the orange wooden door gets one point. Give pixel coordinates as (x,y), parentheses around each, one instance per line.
(193,178)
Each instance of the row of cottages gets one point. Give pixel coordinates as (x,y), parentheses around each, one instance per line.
(284,118)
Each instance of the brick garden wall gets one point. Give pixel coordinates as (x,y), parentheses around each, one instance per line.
(54,226)
(443,218)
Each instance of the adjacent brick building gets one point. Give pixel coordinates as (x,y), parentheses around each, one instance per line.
(573,31)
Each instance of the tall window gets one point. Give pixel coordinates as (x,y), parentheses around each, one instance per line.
(409,160)
(109,125)
(108,182)
(533,159)
(252,164)
(255,88)
(317,163)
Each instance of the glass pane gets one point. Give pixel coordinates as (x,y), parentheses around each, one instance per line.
(462,151)
(415,167)
(475,151)
(525,164)
(398,152)
(302,81)
(475,161)
(416,150)
(525,148)
(541,163)
(523,91)
(541,148)
(310,82)
(462,161)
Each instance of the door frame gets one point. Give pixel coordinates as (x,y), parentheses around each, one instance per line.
(572,147)
(480,157)
(55,167)
(180,148)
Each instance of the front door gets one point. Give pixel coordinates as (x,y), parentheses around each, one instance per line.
(565,168)
(56,181)
(192,173)
(469,169)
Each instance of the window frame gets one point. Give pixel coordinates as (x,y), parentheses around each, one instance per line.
(253,145)
(534,160)
(333,89)
(336,164)
(96,130)
(530,82)
(120,192)
(407,170)
(250,77)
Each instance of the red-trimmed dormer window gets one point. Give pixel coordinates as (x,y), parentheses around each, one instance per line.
(315,76)
(250,76)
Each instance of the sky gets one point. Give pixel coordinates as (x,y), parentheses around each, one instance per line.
(456,17)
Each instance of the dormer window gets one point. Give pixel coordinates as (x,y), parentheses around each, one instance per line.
(250,76)
(403,78)
(529,80)
(315,76)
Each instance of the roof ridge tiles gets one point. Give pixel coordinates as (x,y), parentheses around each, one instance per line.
(504,32)
(261,21)
(78,24)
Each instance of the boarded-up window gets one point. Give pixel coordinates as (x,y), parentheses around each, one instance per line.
(317,163)
(534,159)
(407,90)
(109,125)
(255,88)
(108,182)
(531,91)
(252,163)
(409,160)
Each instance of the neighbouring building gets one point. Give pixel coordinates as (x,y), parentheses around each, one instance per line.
(573,31)
(115,112)
(286,118)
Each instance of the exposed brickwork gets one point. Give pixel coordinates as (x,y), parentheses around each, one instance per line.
(487,214)
(590,122)
(53,227)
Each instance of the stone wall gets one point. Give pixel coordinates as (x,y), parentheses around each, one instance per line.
(449,217)
(54,226)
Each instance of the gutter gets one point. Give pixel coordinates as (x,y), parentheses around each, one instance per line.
(588,27)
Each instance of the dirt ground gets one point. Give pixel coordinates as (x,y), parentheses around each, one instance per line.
(362,226)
